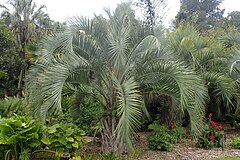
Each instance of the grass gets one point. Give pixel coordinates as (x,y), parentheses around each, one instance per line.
(227,158)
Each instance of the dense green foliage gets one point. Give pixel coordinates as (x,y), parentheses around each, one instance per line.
(65,138)
(9,63)
(19,137)
(83,110)
(103,74)
(10,106)
(210,59)
(234,19)
(236,142)
(205,14)
(27,22)
(23,138)
(163,137)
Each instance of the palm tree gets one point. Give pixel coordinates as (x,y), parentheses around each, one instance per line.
(208,57)
(121,65)
(24,22)
(232,41)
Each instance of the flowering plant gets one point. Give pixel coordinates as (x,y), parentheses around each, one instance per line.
(163,136)
(212,135)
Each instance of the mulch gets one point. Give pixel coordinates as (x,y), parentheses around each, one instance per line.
(185,149)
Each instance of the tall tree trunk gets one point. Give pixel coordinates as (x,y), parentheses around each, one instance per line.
(22,73)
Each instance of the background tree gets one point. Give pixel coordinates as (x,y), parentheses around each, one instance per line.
(9,62)
(210,58)
(154,12)
(234,19)
(25,21)
(204,14)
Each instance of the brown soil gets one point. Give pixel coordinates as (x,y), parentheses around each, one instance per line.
(186,150)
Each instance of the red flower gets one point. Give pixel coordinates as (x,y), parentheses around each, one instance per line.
(214,123)
(173,124)
(210,115)
(212,137)
(219,128)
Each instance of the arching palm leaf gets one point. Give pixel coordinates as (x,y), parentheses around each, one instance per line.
(182,84)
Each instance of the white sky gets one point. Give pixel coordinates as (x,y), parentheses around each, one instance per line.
(59,10)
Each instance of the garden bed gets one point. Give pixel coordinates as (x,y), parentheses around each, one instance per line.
(186,150)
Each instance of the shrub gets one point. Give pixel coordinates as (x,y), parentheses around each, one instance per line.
(212,135)
(236,142)
(160,142)
(12,105)
(85,113)
(178,132)
(64,138)
(163,137)
(19,137)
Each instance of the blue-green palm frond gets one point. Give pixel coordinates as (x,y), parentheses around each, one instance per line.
(222,85)
(179,82)
(129,110)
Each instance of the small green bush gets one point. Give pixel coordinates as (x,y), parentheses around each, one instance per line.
(236,142)
(87,115)
(163,137)
(160,142)
(64,138)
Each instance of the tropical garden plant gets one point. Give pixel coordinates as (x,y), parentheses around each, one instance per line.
(120,62)
(211,60)
(212,136)
(163,137)
(65,138)
(19,137)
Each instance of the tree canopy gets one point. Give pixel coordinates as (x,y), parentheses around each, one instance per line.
(9,62)
(204,14)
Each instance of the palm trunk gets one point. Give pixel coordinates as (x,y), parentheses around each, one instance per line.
(109,138)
